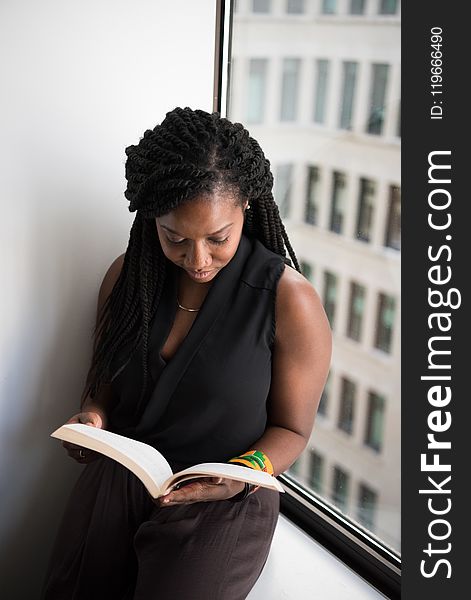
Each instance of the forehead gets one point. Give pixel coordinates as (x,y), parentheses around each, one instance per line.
(201,216)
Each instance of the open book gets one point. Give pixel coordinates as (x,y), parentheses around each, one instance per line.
(150,465)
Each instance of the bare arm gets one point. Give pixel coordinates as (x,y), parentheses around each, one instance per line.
(301,361)
(102,401)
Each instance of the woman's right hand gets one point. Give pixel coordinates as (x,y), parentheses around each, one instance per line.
(80,454)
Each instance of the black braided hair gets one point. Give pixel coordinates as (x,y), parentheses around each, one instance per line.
(191,153)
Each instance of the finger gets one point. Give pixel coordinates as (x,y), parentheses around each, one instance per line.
(198,491)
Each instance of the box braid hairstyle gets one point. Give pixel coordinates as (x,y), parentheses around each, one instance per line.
(191,153)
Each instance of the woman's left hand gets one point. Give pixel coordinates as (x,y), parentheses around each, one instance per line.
(204,489)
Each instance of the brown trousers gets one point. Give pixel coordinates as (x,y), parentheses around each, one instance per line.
(115,543)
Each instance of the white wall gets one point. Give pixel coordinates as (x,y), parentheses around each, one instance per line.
(81,80)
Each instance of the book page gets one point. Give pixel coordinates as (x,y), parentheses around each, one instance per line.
(143,460)
(228,470)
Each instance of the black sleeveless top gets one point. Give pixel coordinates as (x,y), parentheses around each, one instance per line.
(208,403)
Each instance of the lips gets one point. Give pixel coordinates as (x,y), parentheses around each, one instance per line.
(200,275)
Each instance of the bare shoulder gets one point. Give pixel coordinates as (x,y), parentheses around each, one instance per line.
(299,309)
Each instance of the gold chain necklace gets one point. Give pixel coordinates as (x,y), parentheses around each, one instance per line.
(187,309)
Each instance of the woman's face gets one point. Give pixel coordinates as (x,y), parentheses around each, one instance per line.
(202,235)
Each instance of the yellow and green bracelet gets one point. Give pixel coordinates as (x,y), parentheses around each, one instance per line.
(255,459)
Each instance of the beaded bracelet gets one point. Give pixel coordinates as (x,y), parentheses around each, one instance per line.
(255,459)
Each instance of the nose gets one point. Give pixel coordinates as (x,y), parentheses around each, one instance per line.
(197,258)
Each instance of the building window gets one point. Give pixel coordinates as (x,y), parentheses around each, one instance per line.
(324,401)
(316,471)
(295,7)
(388,7)
(377,98)
(355,315)
(261,6)
(393,224)
(322,80)
(398,124)
(257,89)
(310,213)
(284,178)
(340,488)
(365,210)
(306,270)
(357,7)
(367,501)
(337,207)
(375,421)
(347,401)
(295,468)
(384,322)
(330,294)
(329,7)
(348,94)
(289,89)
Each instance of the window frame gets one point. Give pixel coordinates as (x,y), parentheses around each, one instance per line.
(354,545)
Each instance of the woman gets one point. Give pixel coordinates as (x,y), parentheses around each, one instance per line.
(208,348)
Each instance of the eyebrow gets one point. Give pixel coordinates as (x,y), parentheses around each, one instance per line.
(214,233)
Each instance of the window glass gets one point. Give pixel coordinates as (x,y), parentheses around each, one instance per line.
(340,488)
(355,313)
(357,7)
(348,94)
(289,89)
(393,223)
(295,7)
(347,405)
(365,210)
(256,90)
(320,91)
(377,99)
(375,421)
(261,6)
(337,206)
(322,96)
(311,208)
(388,7)
(329,7)
(385,322)
(367,500)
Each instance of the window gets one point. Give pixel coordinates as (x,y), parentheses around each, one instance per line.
(365,210)
(330,296)
(333,192)
(357,7)
(261,6)
(324,401)
(398,124)
(337,207)
(316,471)
(329,7)
(295,7)
(375,422)
(283,181)
(385,322)
(367,501)
(256,89)
(289,89)
(347,401)
(320,92)
(393,224)
(388,7)
(356,309)
(310,213)
(340,487)
(348,94)
(306,269)
(377,99)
